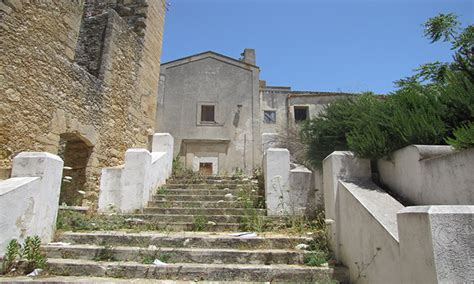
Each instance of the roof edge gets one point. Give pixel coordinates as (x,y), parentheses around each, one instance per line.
(211,52)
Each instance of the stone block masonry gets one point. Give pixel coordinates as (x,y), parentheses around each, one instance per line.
(79,72)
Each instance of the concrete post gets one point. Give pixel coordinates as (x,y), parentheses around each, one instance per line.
(339,165)
(436,244)
(164,142)
(135,177)
(277,181)
(49,169)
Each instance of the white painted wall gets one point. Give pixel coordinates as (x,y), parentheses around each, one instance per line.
(428,175)
(368,235)
(380,241)
(436,244)
(302,193)
(339,165)
(289,188)
(128,188)
(29,199)
(277,181)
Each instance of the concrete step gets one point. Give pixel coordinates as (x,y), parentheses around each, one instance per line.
(210,181)
(182,197)
(191,226)
(198,191)
(186,218)
(201,211)
(174,255)
(202,186)
(196,272)
(183,240)
(195,204)
(105,280)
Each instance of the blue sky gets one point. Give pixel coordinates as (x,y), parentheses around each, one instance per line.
(319,45)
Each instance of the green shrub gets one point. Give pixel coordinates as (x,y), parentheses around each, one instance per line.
(431,107)
(27,257)
(463,137)
(12,253)
(200,223)
(374,127)
(411,115)
(32,253)
(457,99)
(327,133)
(315,258)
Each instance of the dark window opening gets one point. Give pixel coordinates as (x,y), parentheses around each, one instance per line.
(269,117)
(205,168)
(301,114)
(207,113)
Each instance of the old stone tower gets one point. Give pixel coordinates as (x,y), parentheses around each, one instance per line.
(79,80)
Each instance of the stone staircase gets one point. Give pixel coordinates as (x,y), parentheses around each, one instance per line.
(195,238)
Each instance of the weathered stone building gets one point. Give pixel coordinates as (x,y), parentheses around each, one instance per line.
(217,108)
(78,78)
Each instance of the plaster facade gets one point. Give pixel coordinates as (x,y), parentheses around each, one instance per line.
(244,108)
(79,73)
(231,138)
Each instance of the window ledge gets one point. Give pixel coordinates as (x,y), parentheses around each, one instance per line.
(210,123)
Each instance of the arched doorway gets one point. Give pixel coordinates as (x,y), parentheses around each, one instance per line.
(75,152)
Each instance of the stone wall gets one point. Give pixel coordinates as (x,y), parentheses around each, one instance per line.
(73,69)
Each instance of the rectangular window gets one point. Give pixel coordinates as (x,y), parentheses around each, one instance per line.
(269,116)
(301,113)
(207,113)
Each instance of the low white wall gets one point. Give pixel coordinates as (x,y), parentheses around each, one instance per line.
(436,244)
(339,165)
(429,175)
(302,193)
(276,168)
(318,187)
(289,188)
(29,199)
(368,234)
(380,241)
(128,188)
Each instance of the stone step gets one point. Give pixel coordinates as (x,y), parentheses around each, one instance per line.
(174,255)
(105,280)
(213,178)
(198,191)
(201,186)
(182,197)
(196,272)
(195,204)
(155,224)
(183,240)
(186,218)
(210,181)
(201,211)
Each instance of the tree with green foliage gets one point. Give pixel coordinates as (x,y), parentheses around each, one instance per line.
(434,106)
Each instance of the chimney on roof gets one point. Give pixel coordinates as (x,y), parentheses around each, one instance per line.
(248,56)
